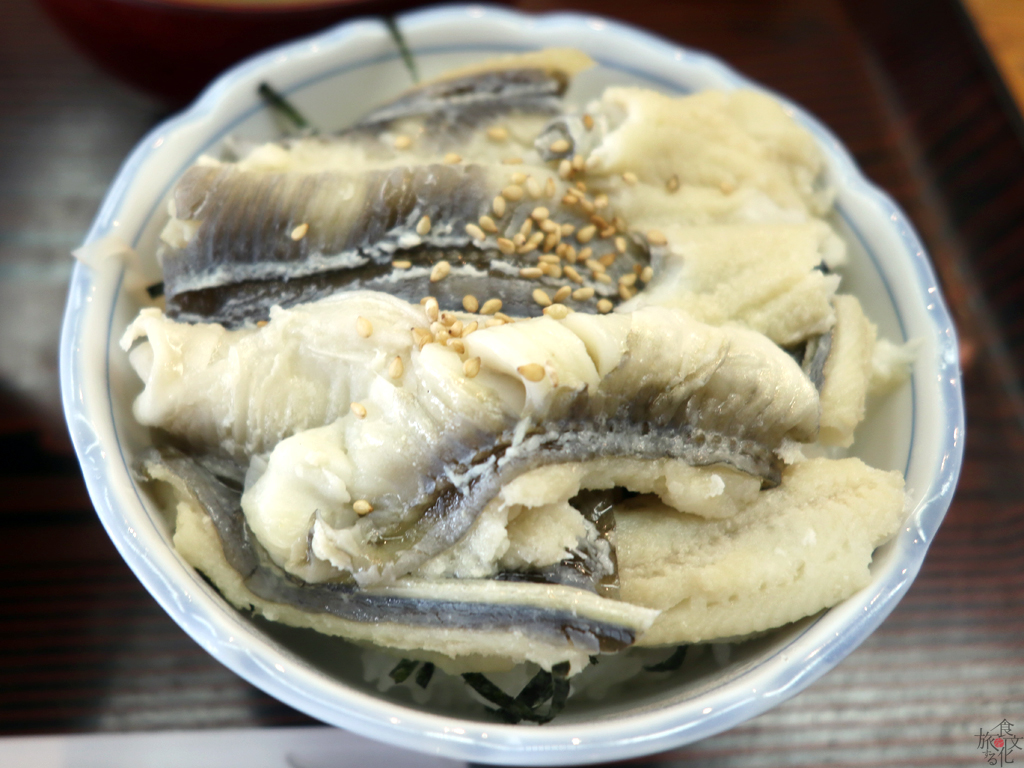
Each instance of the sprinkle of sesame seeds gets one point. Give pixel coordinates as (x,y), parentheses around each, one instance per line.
(598,221)
(549,225)
(556,271)
(469,303)
(540,213)
(497,133)
(561,249)
(442,336)
(518,239)
(557,311)
(437,326)
(512,161)
(594,266)
(578,163)
(440,271)
(608,259)
(548,258)
(551,241)
(457,345)
(626,292)
(565,169)
(396,368)
(567,229)
(673,183)
(533,187)
(545,268)
(559,146)
(475,232)
(541,297)
(604,306)
(402,142)
(588,122)
(359,410)
(585,234)
(362,507)
(518,177)
(431,308)
(470,328)
(512,192)
(364,327)
(536,238)
(528,247)
(647,274)
(562,294)
(656,237)
(453,158)
(490,307)
(628,279)
(487,224)
(601,201)
(586,253)
(448,319)
(602,277)
(505,245)
(630,178)
(608,231)
(262,323)
(493,322)
(586,205)
(456,329)
(498,206)
(620,244)
(471,367)
(531,371)
(421,337)
(573,275)
(526,229)
(570,255)
(531,272)
(549,187)
(503,317)
(582,294)
(300,231)
(423,226)
(569,199)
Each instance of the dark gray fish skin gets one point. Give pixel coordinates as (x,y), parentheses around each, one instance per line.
(344,600)
(462,104)
(816,355)
(243,260)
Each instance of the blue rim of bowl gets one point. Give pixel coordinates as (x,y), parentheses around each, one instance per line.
(627,736)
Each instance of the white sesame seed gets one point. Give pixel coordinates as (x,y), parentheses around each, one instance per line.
(578,163)
(582,294)
(531,272)
(559,146)
(421,337)
(562,294)
(402,142)
(608,259)
(656,237)
(549,226)
(594,266)
(512,192)
(457,345)
(647,274)
(602,277)
(490,307)
(448,319)
(557,311)
(565,169)
(423,226)
(518,239)
(359,410)
(588,122)
(628,279)
(673,183)
(487,224)
(626,292)
(493,322)
(604,306)
(620,244)
(586,253)
(526,228)
(570,254)
(469,303)
(442,336)
(573,275)
(630,178)
(586,234)
(512,161)
(505,245)
(362,507)
(440,271)
(601,201)
(531,371)
(541,297)
(431,308)
(533,187)
(518,177)
(540,213)
(300,231)
(497,133)
(475,232)
(452,158)
(498,206)
(396,368)
(364,327)
(470,328)
(471,367)
(401,264)
(549,187)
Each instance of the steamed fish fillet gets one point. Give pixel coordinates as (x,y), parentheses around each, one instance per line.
(243,241)
(796,549)
(430,449)
(494,623)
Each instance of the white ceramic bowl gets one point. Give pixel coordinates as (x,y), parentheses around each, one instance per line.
(335,76)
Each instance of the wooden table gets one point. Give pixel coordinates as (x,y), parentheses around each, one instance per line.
(906,86)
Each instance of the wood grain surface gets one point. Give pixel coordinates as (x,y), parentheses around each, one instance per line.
(84,648)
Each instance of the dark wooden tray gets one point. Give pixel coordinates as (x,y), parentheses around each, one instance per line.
(905,85)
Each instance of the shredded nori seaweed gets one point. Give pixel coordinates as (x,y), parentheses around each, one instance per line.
(403,47)
(424,675)
(402,670)
(672,663)
(156,290)
(544,686)
(285,108)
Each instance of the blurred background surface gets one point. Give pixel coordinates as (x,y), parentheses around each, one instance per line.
(921,91)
